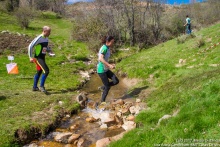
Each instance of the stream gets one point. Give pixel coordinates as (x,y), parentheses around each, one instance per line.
(90,132)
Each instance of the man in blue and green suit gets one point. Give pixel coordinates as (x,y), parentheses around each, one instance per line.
(40,45)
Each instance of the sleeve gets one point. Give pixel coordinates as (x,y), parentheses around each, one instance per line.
(31,46)
(103,50)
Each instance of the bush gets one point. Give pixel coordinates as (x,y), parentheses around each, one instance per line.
(24,16)
(200,42)
(181,39)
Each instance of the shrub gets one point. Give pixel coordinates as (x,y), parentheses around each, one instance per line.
(200,42)
(24,16)
(181,39)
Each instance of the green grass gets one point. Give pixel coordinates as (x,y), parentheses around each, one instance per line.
(192,89)
(20,108)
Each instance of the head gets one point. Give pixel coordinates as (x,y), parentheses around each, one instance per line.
(187,16)
(46,31)
(108,40)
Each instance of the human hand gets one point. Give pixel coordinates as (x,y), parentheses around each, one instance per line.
(112,66)
(32,60)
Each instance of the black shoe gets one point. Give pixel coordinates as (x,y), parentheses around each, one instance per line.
(35,89)
(42,89)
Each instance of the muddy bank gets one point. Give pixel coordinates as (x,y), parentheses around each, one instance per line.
(14,42)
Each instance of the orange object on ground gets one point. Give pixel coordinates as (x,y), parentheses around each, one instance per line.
(12,68)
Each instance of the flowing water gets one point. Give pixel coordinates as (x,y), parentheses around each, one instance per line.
(91,132)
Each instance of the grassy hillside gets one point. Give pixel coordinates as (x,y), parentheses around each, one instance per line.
(20,108)
(190,89)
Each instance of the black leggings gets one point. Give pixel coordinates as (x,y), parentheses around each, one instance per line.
(43,67)
(107,85)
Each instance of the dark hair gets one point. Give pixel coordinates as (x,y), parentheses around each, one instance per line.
(107,38)
(187,15)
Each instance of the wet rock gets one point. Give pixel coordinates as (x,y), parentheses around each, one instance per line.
(130,118)
(62,137)
(73,138)
(119,101)
(80,142)
(91,105)
(128,105)
(118,120)
(33,145)
(90,119)
(125,111)
(103,126)
(74,127)
(128,125)
(135,109)
(103,142)
(114,127)
(68,145)
(138,100)
(107,117)
(119,114)
(82,99)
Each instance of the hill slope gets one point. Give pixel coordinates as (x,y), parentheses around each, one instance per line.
(186,80)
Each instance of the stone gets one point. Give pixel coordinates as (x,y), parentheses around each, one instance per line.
(33,145)
(80,142)
(62,137)
(129,125)
(90,119)
(73,127)
(118,120)
(119,114)
(138,100)
(91,105)
(119,101)
(125,111)
(82,99)
(68,145)
(103,142)
(163,118)
(117,137)
(113,127)
(107,117)
(132,109)
(73,138)
(130,118)
(103,126)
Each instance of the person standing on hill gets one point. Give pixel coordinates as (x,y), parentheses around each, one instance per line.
(103,67)
(188,25)
(40,44)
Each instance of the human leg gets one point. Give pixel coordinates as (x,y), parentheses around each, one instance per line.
(36,77)
(105,81)
(113,77)
(45,69)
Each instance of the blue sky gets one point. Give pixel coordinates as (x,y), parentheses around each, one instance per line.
(168,1)
(181,1)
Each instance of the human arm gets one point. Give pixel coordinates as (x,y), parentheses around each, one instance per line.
(101,59)
(31,47)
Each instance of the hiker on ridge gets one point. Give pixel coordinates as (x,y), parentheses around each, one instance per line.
(188,25)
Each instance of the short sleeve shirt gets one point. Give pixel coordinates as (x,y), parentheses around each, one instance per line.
(104,50)
(188,20)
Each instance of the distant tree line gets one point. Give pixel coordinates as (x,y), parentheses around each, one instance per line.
(57,6)
(140,23)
